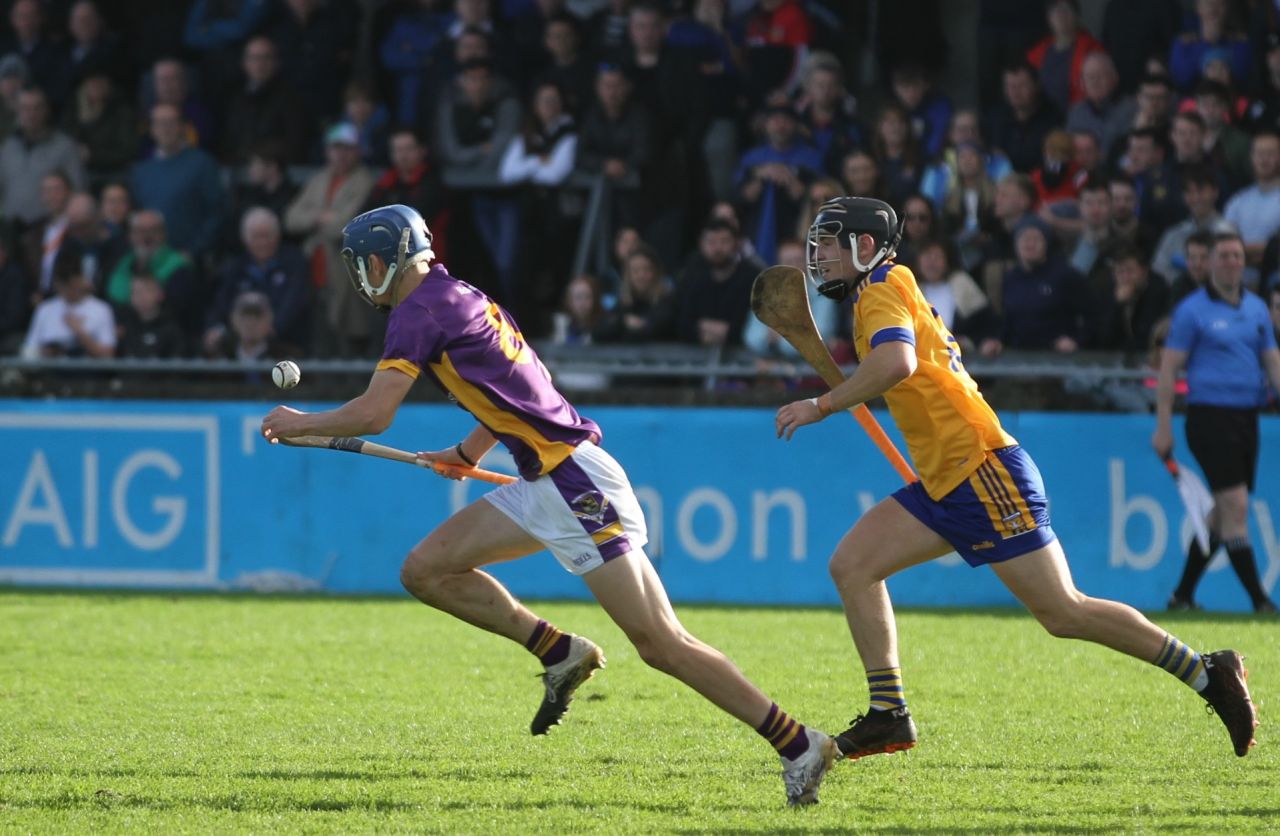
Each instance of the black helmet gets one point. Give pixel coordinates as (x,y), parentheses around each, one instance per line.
(844,219)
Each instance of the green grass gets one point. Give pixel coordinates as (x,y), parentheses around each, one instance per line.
(197,714)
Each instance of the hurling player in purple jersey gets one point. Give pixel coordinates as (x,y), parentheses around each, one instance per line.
(573,499)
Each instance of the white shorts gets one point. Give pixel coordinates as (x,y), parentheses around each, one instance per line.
(583,511)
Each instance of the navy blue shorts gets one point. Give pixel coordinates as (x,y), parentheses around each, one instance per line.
(998,513)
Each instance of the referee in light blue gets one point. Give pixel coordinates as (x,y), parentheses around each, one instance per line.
(1222,334)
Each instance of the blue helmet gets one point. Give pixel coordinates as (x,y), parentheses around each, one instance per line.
(396,234)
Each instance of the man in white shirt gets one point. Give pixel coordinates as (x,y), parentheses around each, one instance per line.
(1255,211)
(74,322)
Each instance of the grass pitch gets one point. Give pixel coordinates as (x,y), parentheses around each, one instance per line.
(198,714)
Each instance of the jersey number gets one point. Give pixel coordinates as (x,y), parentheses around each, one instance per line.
(953,347)
(953,350)
(511,340)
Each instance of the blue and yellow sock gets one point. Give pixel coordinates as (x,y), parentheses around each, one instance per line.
(548,644)
(1182,662)
(885,685)
(784,734)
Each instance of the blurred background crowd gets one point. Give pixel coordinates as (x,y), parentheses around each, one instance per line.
(175,176)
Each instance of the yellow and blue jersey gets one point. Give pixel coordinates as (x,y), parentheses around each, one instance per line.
(947,424)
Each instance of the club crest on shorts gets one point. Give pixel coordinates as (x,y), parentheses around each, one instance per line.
(1015,524)
(591,505)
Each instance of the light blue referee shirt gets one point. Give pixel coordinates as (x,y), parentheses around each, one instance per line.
(1224,345)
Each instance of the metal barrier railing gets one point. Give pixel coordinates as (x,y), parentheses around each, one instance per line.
(651,374)
(678,362)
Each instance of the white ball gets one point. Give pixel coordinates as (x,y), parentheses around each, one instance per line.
(286,374)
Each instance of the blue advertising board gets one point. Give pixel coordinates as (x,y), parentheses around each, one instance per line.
(177,494)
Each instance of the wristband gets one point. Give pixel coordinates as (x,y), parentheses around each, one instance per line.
(823,404)
(458,449)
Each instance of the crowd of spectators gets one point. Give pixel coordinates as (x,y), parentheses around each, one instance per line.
(175,176)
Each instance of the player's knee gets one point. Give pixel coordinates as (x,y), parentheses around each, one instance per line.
(417,577)
(411,576)
(1233,509)
(660,650)
(848,566)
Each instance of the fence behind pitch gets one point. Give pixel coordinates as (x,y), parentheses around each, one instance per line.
(144,494)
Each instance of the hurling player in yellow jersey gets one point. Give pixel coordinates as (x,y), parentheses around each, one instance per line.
(979,493)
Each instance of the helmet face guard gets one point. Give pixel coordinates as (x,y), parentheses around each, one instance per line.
(360,266)
(399,238)
(821,233)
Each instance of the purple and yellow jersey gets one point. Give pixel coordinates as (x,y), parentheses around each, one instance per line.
(947,424)
(473,350)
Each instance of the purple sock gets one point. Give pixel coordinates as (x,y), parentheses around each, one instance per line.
(548,644)
(784,734)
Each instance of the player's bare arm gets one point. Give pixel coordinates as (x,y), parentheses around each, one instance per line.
(466,453)
(367,414)
(1171,362)
(478,443)
(886,366)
